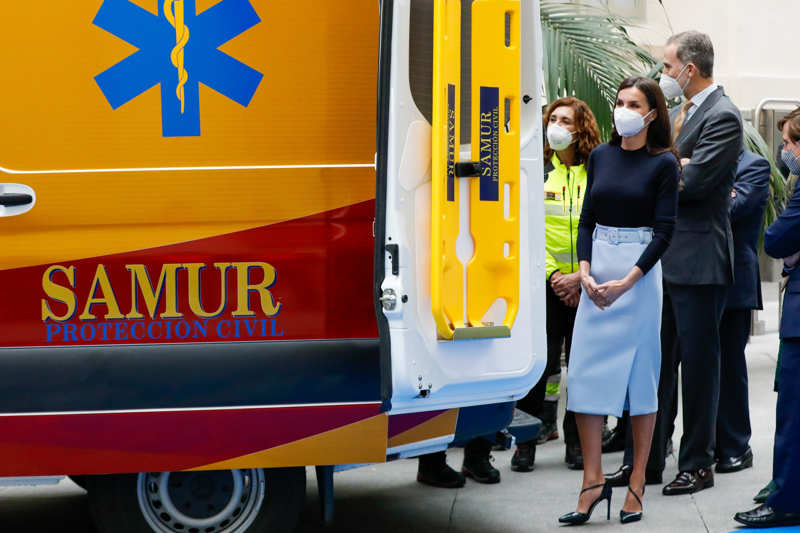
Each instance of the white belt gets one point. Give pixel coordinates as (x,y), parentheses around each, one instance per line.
(623,235)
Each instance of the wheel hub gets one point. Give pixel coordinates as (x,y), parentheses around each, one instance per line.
(201,495)
(225,501)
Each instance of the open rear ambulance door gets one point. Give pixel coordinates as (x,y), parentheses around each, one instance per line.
(460,226)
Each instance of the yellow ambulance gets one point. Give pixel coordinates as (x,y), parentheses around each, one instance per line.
(244,237)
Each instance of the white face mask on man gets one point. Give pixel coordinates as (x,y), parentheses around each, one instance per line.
(559,137)
(671,87)
(628,122)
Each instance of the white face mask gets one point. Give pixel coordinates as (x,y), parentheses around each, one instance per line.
(670,86)
(559,137)
(628,122)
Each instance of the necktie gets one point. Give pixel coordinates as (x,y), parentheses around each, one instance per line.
(680,119)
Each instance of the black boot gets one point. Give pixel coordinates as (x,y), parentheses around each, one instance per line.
(524,457)
(478,462)
(434,471)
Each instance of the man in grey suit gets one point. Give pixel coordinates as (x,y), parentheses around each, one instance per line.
(698,266)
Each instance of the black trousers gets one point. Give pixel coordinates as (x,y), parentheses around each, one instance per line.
(786,460)
(690,338)
(559,323)
(733,419)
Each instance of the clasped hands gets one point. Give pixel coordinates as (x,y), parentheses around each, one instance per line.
(567,287)
(606,294)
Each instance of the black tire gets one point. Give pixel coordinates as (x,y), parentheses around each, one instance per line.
(114,504)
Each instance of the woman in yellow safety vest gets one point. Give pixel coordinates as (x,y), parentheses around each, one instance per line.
(572,133)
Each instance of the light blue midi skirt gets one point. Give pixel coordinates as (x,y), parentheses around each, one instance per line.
(615,359)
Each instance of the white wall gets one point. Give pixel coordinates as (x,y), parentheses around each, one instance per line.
(756,42)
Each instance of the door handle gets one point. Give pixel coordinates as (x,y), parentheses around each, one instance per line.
(15,199)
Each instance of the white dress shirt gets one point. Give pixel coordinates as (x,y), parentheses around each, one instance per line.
(698,99)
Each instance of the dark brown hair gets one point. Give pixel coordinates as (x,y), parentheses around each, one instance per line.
(587,134)
(659,137)
(793,120)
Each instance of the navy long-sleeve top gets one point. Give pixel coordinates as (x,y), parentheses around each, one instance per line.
(630,189)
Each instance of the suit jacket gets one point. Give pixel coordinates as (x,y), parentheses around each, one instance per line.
(747,215)
(701,252)
(782,239)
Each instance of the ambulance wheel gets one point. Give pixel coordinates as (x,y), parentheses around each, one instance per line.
(223,501)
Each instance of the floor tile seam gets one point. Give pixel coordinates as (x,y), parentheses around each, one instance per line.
(700,514)
(452,511)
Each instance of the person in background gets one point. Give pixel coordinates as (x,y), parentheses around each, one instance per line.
(764,493)
(748,203)
(626,225)
(782,241)
(572,133)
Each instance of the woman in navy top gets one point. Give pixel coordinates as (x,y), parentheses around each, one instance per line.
(626,224)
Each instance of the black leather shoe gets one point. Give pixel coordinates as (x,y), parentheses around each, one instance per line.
(524,457)
(443,477)
(734,464)
(765,493)
(766,516)
(480,469)
(690,482)
(574,457)
(621,477)
(615,441)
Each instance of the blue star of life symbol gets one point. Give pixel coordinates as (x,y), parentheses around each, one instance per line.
(178,49)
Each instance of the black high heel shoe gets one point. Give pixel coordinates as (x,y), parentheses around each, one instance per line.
(575,518)
(626,517)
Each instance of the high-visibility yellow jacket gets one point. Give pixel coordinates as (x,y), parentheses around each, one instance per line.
(564,189)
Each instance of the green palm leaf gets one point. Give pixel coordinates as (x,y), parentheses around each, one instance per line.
(587,53)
